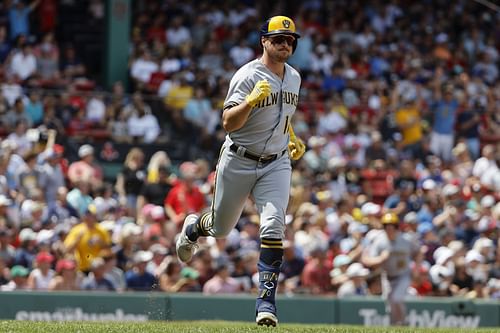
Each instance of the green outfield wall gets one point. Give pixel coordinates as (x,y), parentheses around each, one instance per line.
(367,311)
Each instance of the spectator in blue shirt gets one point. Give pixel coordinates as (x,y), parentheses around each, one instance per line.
(19,18)
(138,279)
(444,110)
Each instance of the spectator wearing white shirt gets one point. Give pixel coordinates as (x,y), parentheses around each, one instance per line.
(143,67)
(23,63)
(96,109)
(177,34)
(143,126)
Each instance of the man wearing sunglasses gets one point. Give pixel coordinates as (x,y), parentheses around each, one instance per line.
(255,158)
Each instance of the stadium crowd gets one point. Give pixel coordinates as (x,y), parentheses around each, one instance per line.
(399,108)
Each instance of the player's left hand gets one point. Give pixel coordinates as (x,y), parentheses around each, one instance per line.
(296,148)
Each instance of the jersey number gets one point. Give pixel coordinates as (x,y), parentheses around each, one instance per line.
(285,130)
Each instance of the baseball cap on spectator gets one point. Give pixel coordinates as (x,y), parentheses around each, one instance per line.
(108,225)
(44,236)
(19,271)
(410,218)
(471,214)
(357,270)
(424,228)
(143,256)
(442,254)
(65,264)
(341,260)
(44,257)
(357,227)
(473,255)
(450,189)
(429,184)
(456,246)
(460,148)
(370,208)
(91,210)
(158,249)
(190,273)
(486,223)
(27,234)
(439,273)
(487,201)
(316,141)
(97,263)
(85,150)
(4,201)
(481,243)
(336,162)
(131,229)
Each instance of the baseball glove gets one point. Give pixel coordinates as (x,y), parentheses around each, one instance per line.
(296,148)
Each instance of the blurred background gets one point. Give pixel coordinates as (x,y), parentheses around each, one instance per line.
(110,117)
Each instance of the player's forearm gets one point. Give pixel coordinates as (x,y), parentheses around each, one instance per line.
(234,118)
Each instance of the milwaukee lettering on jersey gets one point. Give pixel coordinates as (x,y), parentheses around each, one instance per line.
(272,99)
(290,98)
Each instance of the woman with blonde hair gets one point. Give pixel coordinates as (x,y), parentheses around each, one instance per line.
(130,179)
(159,159)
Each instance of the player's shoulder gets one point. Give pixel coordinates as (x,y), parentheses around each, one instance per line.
(294,73)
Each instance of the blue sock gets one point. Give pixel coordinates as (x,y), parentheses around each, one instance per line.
(269,265)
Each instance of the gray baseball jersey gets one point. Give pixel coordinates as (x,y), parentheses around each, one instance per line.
(401,251)
(265,133)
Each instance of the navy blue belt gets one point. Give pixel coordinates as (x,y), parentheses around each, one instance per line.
(259,158)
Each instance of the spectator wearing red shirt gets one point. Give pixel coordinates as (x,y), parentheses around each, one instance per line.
(316,276)
(185,197)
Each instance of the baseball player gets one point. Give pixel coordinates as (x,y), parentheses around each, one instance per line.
(255,158)
(393,252)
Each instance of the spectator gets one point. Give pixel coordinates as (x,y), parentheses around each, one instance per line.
(315,276)
(221,282)
(67,278)
(19,17)
(79,197)
(23,64)
(138,278)
(356,285)
(19,276)
(87,239)
(185,197)
(131,179)
(143,126)
(7,251)
(444,110)
(51,174)
(96,280)
(40,277)
(170,279)
(85,169)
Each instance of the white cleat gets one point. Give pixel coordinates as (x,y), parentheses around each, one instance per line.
(184,246)
(267,319)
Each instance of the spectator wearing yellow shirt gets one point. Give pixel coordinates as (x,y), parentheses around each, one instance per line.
(87,239)
(409,121)
(180,94)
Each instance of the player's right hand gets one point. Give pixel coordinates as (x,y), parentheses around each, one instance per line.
(261,90)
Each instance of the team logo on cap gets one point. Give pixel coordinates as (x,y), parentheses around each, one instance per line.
(286,23)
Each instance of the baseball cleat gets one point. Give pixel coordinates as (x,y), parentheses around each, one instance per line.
(184,246)
(267,319)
